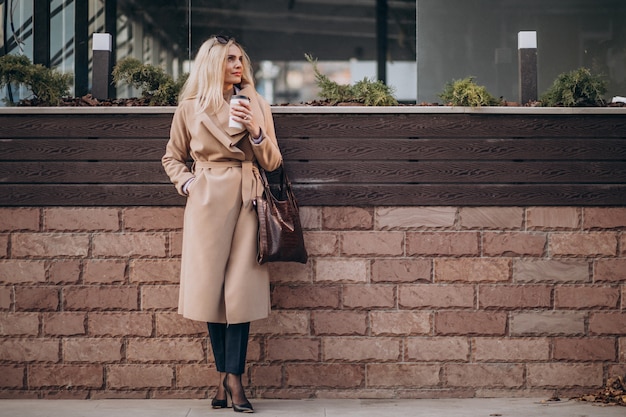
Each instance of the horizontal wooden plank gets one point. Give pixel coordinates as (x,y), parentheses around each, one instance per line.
(89,195)
(329,195)
(83,172)
(118,149)
(340,149)
(85,126)
(437,172)
(450,126)
(464,194)
(329,172)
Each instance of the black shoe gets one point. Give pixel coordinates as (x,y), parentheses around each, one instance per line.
(215,403)
(239,408)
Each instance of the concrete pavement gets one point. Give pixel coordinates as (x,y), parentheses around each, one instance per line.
(475,407)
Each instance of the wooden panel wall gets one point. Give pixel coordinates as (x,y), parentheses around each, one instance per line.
(363,159)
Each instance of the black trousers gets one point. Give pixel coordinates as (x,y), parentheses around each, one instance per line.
(230,345)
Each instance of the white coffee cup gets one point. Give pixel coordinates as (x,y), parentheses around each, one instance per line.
(236,99)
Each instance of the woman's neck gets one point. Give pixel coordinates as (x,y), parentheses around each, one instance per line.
(228,92)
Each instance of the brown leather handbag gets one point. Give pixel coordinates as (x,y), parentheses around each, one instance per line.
(280,231)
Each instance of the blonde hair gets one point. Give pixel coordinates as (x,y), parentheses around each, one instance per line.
(205,84)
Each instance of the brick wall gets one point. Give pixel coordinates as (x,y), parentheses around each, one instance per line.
(396,302)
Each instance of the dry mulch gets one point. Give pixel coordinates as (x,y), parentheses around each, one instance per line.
(614,393)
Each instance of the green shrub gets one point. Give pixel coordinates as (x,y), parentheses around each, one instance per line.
(48,85)
(156,86)
(577,88)
(367,92)
(466,92)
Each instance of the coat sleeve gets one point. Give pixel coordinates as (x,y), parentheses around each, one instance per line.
(267,152)
(177,152)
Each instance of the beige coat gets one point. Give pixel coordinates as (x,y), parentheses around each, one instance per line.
(220,280)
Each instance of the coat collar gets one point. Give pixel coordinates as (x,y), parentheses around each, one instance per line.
(217,123)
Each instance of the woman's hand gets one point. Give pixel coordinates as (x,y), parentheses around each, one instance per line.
(242,112)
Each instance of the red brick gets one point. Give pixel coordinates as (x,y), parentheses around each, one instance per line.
(339,323)
(302,349)
(159,297)
(608,323)
(311,217)
(514,244)
(435,296)
(165,350)
(18,272)
(491,217)
(437,349)
(129,244)
(49,245)
(196,376)
(548,322)
(175,243)
(81,219)
(470,322)
(12,376)
(341,270)
(64,324)
(510,350)
(415,217)
(19,324)
(6,294)
(472,270)
(14,219)
(267,376)
(575,349)
(65,271)
(514,296)
(93,350)
(372,243)
(401,270)
(65,376)
(347,218)
(306,296)
(287,272)
(153,218)
(104,271)
(586,297)
(283,323)
(609,270)
(583,244)
(442,243)
(29,350)
(400,375)
(4,245)
(120,324)
(139,376)
(163,271)
(369,296)
(173,324)
(36,298)
(100,298)
(325,375)
(484,375)
(604,217)
(567,270)
(552,218)
(622,351)
(361,349)
(400,323)
(321,243)
(562,375)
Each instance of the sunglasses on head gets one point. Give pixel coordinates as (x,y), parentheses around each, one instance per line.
(223,39)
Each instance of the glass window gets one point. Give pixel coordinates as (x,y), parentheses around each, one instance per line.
(460,38)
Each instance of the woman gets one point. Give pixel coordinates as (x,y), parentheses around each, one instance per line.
(221,283)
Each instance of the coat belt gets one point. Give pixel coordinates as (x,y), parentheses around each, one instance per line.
(250,179)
